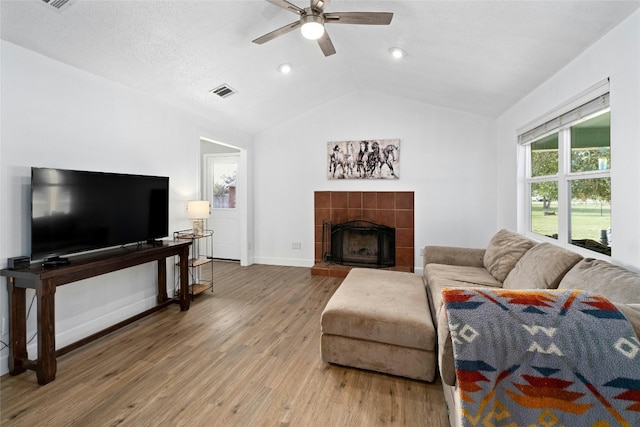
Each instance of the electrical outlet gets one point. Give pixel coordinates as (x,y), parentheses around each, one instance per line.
(4,326)
(296,245)
(421,251)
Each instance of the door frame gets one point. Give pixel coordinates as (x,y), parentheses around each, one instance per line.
(242,192)
(208,166)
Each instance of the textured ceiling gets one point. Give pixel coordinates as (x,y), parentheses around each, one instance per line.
(475,56)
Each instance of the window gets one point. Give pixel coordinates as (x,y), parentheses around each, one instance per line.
(224,185)
(568,176)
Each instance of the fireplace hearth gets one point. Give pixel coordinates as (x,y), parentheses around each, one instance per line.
(360,243)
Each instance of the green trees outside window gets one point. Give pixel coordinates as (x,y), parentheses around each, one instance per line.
(570,184)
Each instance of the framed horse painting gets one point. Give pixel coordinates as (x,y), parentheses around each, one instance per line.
(364,159)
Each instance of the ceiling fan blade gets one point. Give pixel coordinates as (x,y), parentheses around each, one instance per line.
(326,45)
(276,33)
(363,18)
(288,6)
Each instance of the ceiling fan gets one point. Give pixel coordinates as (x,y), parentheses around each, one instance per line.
(313,18)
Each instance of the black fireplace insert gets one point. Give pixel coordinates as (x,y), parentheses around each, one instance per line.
(362,243)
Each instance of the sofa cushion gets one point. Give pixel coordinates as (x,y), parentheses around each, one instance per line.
(446,361)
(503,252)
(469,276)
(440,276)
(380,357)
(632,313)
(613,282)
(541,267)
(452,255)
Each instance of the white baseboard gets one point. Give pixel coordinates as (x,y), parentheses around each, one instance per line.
(294,262)
(4,364)
(83,330)
(290,262)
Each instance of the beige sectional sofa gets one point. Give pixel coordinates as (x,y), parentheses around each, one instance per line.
(513,261)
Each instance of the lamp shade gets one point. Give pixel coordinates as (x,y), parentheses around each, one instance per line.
(198,209)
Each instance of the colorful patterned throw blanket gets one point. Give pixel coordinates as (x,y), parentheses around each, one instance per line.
(543,358)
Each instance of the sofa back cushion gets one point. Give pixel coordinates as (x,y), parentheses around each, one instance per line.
(631,312)
(541,267)
(613,282)
(503,252)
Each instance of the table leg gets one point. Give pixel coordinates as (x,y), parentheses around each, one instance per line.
(184,279)
(46,365)
(162,280)
(17,327)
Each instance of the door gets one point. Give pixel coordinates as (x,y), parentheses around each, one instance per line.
(220,186)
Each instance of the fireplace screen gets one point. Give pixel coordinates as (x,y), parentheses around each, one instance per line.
(363,243)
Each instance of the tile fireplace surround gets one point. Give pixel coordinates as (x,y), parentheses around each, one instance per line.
(390,208)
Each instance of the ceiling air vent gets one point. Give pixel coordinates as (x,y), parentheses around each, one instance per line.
(58,4)
(223,91)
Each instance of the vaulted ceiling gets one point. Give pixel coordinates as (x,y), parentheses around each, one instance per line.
(474,56)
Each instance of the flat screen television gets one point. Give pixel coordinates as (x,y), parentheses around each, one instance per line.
(76,211)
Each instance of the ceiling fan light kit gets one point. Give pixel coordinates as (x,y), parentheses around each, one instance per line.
(312,27)
(313,18)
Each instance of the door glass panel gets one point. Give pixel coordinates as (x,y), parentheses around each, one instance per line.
(224,185)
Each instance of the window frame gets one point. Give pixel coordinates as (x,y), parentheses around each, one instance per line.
(564,176)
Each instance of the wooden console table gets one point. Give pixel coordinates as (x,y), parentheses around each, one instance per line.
(45,280)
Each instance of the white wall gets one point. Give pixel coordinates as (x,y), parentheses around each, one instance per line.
(447,158)
(464,182)
(617,56)
(54,115)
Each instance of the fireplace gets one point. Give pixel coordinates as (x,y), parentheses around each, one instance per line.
(393,209)
(362,243)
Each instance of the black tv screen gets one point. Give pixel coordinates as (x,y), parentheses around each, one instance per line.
(75,211)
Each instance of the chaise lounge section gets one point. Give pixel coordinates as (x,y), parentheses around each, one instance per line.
(379,320)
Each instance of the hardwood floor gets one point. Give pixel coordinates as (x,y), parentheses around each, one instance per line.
(245,355)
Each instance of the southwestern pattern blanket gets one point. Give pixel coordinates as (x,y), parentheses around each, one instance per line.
(543,358)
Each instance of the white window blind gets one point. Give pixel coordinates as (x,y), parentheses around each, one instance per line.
(573,109)
(593,106)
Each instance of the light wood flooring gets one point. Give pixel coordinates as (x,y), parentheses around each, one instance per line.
(245,355)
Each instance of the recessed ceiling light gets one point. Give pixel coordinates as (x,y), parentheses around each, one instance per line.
(397,53)
(284,68)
